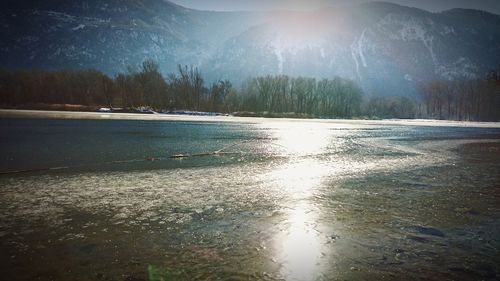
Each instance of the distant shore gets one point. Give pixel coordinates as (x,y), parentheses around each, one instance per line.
(51,114)
(39,114)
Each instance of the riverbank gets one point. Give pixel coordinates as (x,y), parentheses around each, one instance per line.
(39,114)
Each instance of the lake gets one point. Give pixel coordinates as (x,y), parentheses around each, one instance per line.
(265,200)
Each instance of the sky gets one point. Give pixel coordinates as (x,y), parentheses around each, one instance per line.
(263,5)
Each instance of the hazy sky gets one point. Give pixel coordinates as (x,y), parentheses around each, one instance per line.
(431,5)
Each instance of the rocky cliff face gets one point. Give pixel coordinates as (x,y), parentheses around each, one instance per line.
(387,48)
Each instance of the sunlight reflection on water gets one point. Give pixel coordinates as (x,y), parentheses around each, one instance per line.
(298,139)
(301,245)
(299,179)
(298,245)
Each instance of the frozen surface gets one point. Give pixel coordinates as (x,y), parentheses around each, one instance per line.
(281,200)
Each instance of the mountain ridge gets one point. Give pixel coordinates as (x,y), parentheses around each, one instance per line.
(387,48)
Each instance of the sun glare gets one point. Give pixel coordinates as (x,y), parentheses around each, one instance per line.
(300,139)
(298,246)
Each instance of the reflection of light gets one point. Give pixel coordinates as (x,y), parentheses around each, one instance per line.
(302,138)
(298,179)
(301,247)
(296,140)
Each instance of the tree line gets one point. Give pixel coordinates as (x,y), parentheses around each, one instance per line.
(272,95)
(464,100)
(470,100)
(140,87)
(336,97)
(86,87)
(146,87)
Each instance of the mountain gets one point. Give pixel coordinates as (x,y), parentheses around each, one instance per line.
(386,47)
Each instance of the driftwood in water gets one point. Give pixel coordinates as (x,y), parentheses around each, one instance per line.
(181,156)
(217,152)
(175,156)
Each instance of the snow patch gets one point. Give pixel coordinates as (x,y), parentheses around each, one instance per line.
(357,52)
(360,48)
(448,30)
(354,57)
(462,68)
(279,54)
(410,29)
(322,53)
(78,27)
(290,46)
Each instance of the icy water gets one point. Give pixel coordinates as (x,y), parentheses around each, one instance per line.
(271,200)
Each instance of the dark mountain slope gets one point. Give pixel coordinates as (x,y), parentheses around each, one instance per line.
(388,48)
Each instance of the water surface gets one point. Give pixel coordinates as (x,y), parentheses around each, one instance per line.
(273,200)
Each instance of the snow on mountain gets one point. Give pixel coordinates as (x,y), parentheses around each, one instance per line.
(388,48)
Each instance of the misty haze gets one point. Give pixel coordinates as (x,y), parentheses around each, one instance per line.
(148,140)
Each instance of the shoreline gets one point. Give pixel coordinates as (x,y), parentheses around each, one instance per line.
(76,115)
